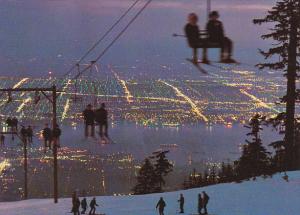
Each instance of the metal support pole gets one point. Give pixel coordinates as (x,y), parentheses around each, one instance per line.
(208,9)
(25,168)
(55,179)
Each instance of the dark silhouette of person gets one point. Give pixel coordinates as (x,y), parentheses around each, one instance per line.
(83,205)
(161,206)
(74,197)
(192,32)
(181,203)
(76,206)
(23,133)
(89,120)
(216,34)
(9,123)
(56,133)
(29,133)
(93,205)
(47,136)
(14,123)
(205,201)
(2,140)
(101,119)
(200,203)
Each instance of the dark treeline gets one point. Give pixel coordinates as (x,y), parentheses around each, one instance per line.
(150,178)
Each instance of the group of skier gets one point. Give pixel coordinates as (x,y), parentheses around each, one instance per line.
(95,117)
(12,124)
(216,36)
(76,203)
(202,204)
(26,134)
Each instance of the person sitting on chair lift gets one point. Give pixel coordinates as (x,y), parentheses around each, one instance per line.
(192,33)
(216,34)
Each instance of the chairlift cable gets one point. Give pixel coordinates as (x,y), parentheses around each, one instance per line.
(103,37)
(117,37)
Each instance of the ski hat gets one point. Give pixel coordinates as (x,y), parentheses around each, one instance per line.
(214,13)
(192,17)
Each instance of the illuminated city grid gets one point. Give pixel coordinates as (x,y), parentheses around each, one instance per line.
(227,95)
(150,95)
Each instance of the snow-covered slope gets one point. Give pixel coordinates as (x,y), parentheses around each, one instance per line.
(261,197)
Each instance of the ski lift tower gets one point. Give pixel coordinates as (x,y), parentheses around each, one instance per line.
(51,95)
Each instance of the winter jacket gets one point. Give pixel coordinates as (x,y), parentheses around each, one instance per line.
(101,116)
(93,203)
(205,199)
(192,34)
(215,31)
(84,203)
(161,204)
(56,132)
(89,116)
(47,133)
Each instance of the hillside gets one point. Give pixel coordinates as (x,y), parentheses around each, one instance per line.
(272,196)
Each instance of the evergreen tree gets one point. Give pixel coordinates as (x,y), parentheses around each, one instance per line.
(286,31)
(226,174)
(205,178)
(145,179)
(254,160)
(213,178)
(222,173)
(162,168)
(230,173)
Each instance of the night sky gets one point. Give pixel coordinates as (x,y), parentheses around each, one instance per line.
(38,36)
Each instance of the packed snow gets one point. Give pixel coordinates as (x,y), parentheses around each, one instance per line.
(271,196)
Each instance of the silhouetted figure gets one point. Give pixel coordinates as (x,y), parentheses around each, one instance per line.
(56,133)
(76,207)
(47,135)
(205,201)
(285,177)
(9,124)
(89,120)
(200,204)
(93,205)
(216,34)
(2,140)
(161,206)
(14,124)
(83,205)
(74,197)
(192,33)
(101,119)
(23,133)
(181,203)
(29,134)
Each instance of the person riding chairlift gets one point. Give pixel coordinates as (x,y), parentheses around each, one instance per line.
(192,32)
(215,35)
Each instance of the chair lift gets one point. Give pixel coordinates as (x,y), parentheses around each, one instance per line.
(203,36)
